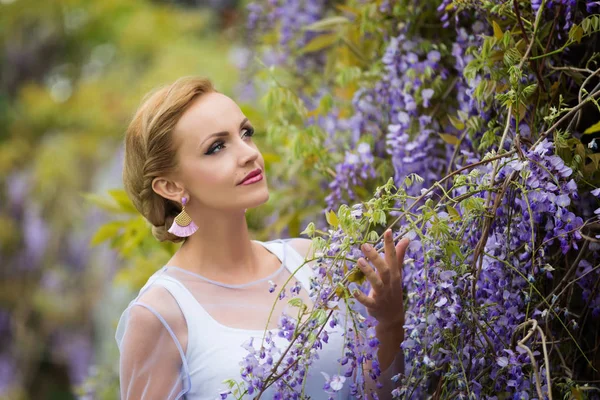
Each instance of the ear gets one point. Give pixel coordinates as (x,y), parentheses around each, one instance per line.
(168,189)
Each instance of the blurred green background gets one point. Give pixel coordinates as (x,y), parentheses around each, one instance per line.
(72,73)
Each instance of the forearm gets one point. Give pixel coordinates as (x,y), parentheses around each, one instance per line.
(390,358)
(390,338)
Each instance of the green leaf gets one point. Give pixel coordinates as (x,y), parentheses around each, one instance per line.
(511,57)
(458,124)
(320,42)
(585,24)
(271,158)
(229,382)
(450,139)
(356,275)
(326,103)
(123,201)
(310,230)
(498,34)
(296,302)
(453,247)
(595,159)
(528,91)
(332,219)
(463,116)
(373,236)
(320,315)
(379,217)
(454,215)
(576,33)
(592,129)
(327,23)
(132,242)
(106,232)
(102,202)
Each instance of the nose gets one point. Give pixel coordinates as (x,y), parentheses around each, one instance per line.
(248,154)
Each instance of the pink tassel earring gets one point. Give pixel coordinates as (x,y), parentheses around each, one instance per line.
(183,226)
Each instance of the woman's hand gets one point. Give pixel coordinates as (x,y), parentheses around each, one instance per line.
(385,300)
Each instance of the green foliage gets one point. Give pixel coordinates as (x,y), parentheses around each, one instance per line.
(73,74)
(302,156)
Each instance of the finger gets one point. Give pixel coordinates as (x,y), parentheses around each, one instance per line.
(372,276)
(390,253)
(377,261)
(401,253)
(365,300)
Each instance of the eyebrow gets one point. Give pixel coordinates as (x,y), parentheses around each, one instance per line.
(224,133)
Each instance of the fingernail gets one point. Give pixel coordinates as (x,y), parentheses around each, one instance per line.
(362,262)
(367,247)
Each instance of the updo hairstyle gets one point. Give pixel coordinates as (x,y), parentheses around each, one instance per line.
(150,151)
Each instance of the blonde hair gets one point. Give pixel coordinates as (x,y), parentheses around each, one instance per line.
(150,151)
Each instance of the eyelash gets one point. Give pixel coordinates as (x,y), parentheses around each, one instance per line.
(218,144)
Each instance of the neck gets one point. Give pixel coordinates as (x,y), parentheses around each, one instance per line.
(221,248)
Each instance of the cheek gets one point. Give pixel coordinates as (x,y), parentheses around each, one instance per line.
(215,176)
(202,173)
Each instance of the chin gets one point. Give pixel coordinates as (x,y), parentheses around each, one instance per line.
(258,200)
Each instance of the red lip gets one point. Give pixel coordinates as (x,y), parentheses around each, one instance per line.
(251,174)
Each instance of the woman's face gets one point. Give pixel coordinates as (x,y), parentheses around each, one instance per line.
(216,151)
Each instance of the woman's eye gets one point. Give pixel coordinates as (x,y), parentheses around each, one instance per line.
(217,146)
(249,132)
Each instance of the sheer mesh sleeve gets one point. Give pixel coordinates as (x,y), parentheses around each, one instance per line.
(152,360)
(397,367)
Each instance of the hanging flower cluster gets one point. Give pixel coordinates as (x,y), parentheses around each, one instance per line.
(478,113)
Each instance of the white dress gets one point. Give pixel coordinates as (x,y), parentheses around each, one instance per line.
(183,335)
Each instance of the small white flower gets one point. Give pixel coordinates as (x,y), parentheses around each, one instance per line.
(548,268)
(428,362)
(441,302)
(337,382)
(332,304)
(502,361)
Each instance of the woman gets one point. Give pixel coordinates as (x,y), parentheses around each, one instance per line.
(192,169)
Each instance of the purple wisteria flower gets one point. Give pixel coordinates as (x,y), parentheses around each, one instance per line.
(488,246)
(356,168)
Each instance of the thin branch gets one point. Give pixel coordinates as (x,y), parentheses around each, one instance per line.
(565,117)
(567,275)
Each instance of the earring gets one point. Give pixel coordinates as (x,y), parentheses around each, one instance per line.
(183,226)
